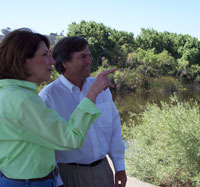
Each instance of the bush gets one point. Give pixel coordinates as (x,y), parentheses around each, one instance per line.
(54,76)
(126,79)
(165,84)
(166,146)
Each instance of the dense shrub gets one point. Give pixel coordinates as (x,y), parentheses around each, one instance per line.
(165,84)
(125,79)
(132,79)
(164,145)
(54,76)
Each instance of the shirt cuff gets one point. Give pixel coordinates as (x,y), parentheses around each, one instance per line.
(119,165)
(88,106)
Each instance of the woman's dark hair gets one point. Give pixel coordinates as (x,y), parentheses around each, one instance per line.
(15,48)
(65,48)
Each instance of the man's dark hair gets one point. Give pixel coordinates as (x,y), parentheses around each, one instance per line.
(64,49)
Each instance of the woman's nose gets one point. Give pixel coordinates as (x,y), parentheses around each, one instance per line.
(52,61)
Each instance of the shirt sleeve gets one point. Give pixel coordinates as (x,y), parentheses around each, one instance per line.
(43,126)
(117,148)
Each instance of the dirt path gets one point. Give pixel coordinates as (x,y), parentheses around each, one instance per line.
(132,181)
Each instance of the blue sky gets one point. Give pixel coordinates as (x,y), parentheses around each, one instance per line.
(46,16)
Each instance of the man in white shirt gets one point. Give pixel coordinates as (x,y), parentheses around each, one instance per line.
(87,166)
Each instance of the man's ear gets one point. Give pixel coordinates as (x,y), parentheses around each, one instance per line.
(65,65)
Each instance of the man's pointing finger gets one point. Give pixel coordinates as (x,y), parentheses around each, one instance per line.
(109,71)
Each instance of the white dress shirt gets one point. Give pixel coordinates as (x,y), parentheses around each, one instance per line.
(104,136)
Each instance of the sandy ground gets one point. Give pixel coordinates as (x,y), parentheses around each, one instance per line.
(132,181)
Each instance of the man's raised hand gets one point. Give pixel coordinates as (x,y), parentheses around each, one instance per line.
(102,82)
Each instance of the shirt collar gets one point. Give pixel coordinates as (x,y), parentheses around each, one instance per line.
(66,82)
(16,82)
(69,84)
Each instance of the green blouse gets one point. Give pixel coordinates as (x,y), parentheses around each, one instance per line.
(30,132)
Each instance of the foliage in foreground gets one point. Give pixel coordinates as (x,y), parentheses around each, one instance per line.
(165,149)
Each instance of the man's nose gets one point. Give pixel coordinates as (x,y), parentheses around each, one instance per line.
(89,60)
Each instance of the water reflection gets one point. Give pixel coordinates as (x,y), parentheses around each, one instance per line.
(130,102)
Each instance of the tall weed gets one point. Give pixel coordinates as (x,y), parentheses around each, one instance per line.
(164,145)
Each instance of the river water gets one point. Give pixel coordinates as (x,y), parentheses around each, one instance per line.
(130,101)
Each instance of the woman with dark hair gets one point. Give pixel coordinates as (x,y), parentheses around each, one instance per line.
(29,131)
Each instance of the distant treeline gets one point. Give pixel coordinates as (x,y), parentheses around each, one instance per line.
(149,55)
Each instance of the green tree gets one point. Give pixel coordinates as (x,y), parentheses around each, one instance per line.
(124,44)
(105,43)
(167,63)
(150,39)
(98,37)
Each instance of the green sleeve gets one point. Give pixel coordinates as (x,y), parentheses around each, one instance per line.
(43,126)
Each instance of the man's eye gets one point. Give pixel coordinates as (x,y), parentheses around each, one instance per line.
(45,54)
